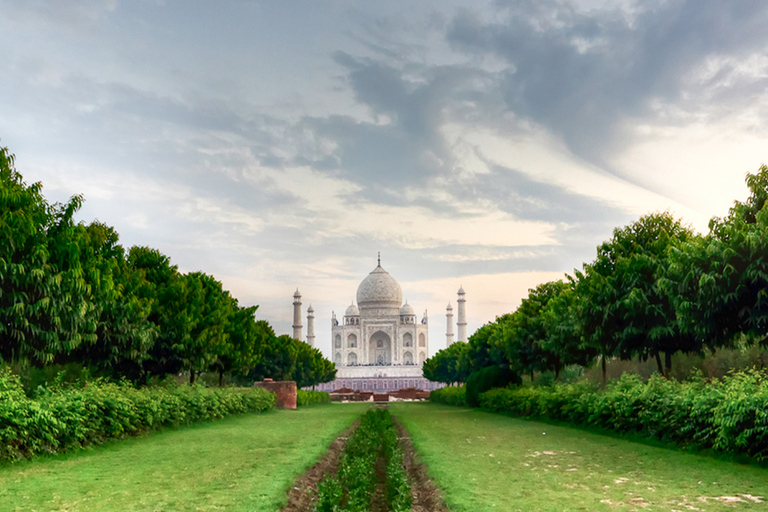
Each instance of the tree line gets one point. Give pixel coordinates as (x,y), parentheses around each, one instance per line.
(70,293)
(655,288)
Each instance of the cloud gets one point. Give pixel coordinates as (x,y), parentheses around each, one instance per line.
(493,145)
(586,75)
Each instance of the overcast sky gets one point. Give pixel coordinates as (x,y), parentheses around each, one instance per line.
(279,145)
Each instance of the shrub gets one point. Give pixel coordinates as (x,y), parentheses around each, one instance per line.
(60,418)
(351,490)
(307,397)
(728,415)
(488,378)
(450,395)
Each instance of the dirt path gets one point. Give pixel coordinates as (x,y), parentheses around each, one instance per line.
(426,496)
(379,498)
(304,490)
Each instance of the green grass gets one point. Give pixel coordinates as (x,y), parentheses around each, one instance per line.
(490,462)
(243,463)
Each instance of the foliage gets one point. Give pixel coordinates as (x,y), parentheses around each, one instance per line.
(44,306)
(627,314)
(286,358)
(308,397)
(719,283)
(450,395)
(491,377)
(483,349)
(353,487)
(70,294)
(728,415)
(446,365)
(523,336)
(124,333)
(63,417)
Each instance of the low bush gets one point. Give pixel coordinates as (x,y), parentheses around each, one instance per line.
(449,395)
(64,417)
(352,489)
(308,397)
(729,415)
(488,378)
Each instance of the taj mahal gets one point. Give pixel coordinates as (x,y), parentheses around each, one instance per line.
(380,344)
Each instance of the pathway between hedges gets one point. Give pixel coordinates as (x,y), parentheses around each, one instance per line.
(243,463)
(490,462)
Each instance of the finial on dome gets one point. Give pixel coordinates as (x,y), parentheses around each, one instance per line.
(379,258)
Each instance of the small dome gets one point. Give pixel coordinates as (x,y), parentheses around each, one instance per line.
(297,294)
(406,310)
(379,289)
(449,308)
(352,310)
(310,310)
(461,290)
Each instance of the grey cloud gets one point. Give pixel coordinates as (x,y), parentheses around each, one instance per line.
(516,193)
(582,74)
(404,145)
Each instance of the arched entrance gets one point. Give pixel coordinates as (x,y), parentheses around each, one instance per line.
(380,349)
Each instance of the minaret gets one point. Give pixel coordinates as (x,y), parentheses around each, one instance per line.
(311,326)
(462,323)
(449,325)
(297,315)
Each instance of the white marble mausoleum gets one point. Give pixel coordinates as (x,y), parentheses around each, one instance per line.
(380,343)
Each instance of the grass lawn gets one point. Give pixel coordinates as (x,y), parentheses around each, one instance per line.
(490,462)
(239,463)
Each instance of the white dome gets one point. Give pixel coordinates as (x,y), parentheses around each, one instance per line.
(352,311)
(407,310)
(379,289)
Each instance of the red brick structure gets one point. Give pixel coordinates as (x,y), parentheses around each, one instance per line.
(284,390)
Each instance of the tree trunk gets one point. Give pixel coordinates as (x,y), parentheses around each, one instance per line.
(191,376)
(531,376)
(557,372)
(658,364)
(221,378)
(667,363)
(605,378)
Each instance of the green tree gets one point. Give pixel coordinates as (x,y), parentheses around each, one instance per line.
(563,330)
(244,345)
(624,311)
(124,333)
(44,299)
(523,335)
(207,307)
(719,283)
(446,365)
(161,284)
(484,349)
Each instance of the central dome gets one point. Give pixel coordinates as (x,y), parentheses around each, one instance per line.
(379,289)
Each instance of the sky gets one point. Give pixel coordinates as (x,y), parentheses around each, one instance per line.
(282,145)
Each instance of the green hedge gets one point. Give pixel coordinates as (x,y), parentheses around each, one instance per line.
(352,488)
(312,397)
(730,415)
(486,379)
(450,395)
(61,418)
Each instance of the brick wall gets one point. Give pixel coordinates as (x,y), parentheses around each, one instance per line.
(284,390)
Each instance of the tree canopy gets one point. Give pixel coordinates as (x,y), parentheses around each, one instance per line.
(70,293)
